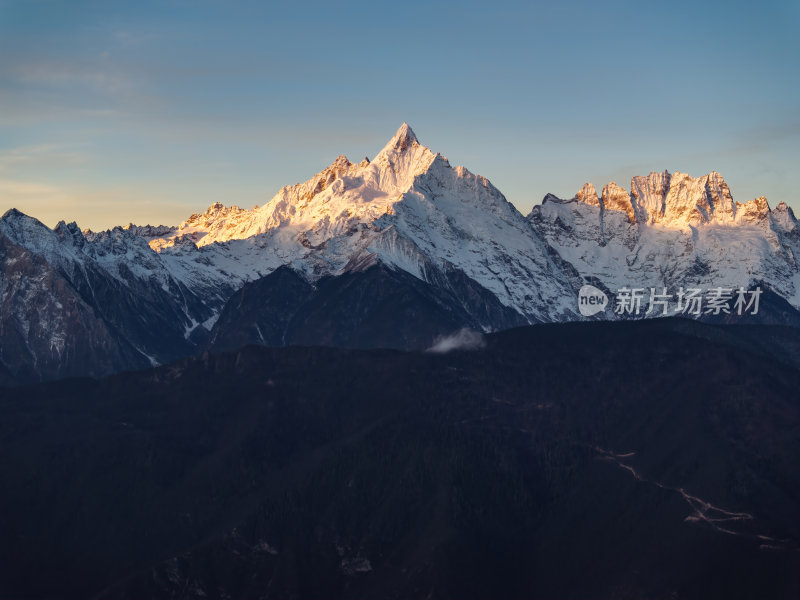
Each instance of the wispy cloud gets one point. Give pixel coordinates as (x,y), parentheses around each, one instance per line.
(463,339)
(21,109)
(67,89)
(103,78)
(40,156)
(11,190)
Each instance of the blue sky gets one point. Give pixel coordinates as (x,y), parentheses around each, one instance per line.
(113,112)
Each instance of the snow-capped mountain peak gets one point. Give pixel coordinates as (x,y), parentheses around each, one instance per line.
(783,217)
(407,208)
(403,139)
(588,195)
(340,195)
(617,198)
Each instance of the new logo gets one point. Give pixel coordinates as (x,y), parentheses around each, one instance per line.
(591,300)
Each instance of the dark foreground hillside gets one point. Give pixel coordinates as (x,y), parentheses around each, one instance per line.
(638,460)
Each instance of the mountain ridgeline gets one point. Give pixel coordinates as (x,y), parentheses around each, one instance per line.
(394,252)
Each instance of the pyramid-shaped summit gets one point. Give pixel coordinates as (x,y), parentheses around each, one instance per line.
(403,139)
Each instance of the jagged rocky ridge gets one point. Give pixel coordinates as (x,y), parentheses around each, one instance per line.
(452,250)
(674,230)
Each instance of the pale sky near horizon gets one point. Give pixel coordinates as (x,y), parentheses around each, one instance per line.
(112,112)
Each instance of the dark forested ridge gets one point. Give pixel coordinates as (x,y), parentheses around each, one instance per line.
(377,307)
(655,459)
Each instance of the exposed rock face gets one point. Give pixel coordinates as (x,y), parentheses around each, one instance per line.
(783,219)
(678,200)
(588,195)
(617,198)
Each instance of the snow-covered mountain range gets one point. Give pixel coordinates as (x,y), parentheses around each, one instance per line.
(674,230)
(408,209)
(363,246)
